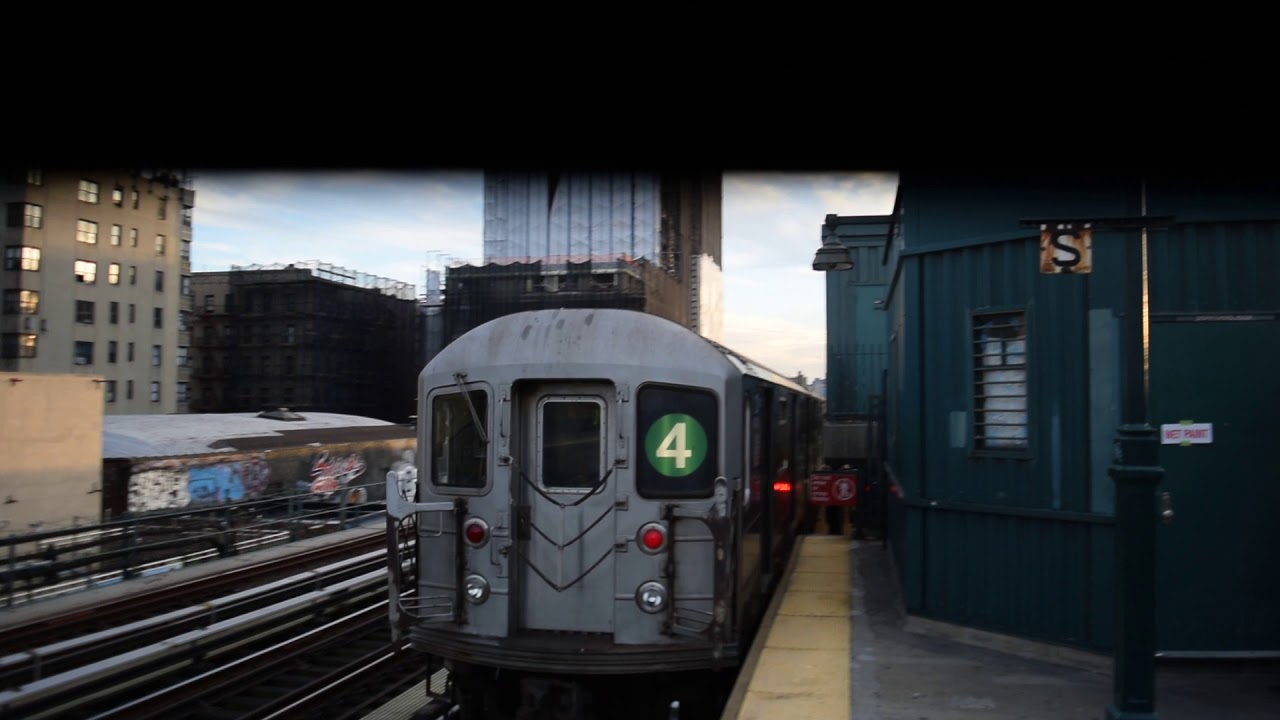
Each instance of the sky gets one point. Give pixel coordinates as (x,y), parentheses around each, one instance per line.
(395,225)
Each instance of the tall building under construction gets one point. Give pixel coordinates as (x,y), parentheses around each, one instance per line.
(636,240)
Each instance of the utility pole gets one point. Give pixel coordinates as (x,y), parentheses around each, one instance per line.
(1135,464)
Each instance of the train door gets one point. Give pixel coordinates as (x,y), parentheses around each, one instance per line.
(565,521)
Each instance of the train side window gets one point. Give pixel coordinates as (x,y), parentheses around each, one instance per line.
(678,432)
(571,450)
(458,448)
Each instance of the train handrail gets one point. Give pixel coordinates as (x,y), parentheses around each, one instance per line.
(400,509)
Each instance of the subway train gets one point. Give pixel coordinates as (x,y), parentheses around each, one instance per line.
(603,503)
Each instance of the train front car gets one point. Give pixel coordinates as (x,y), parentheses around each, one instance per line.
(577,514)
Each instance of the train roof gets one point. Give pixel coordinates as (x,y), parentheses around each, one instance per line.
(528,338)
(150,436)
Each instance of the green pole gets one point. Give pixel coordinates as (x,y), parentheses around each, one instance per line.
(1136,472)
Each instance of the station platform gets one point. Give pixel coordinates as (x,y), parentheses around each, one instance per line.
(836,642)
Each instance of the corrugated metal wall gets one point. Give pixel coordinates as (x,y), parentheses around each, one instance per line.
(1024,543)
(857,335)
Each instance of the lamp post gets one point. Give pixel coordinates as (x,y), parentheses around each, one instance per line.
(1136,472)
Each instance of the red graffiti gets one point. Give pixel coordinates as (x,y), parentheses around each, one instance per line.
(332,474)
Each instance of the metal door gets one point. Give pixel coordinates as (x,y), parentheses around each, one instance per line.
(565,522)
(1217,588)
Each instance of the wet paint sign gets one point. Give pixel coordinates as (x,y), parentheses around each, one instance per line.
(1187,434)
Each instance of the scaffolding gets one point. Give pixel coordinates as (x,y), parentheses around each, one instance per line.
(337,273)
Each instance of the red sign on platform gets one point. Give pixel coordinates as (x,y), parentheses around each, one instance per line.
(833,489)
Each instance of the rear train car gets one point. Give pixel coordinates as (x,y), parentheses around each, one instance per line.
(603,504)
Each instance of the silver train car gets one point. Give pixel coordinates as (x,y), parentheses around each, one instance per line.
(604,501)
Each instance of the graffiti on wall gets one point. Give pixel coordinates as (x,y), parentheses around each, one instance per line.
(171,485)
(330,475)
(406,475)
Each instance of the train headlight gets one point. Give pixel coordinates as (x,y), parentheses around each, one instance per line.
(476,589)
(652,597)
(652,537)
(476,531)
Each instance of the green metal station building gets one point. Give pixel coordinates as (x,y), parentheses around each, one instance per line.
(1003,373)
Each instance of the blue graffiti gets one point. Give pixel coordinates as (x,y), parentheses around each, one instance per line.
(214,483)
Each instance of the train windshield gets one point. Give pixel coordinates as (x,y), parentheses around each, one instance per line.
(458,447)
(572,452)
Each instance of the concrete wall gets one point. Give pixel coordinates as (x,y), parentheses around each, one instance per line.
(50,450)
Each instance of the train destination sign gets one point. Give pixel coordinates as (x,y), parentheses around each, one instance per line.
(675,445)
(1187,434)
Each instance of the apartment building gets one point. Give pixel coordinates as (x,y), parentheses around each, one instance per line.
(97,281)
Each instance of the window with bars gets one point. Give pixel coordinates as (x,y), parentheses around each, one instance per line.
(1000,381)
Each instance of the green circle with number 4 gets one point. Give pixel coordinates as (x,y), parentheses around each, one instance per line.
(675,445)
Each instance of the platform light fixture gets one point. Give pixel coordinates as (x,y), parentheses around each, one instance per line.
(832,256)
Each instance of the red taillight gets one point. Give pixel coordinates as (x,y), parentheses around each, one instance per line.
(652,537)
(782,486)
(476,531)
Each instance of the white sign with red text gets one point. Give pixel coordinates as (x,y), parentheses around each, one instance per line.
(1187,434)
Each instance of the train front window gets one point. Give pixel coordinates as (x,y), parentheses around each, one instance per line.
(458,447)
(572,442)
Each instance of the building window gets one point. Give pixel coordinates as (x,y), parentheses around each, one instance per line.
(184,321)
(230,302)
(290,302)
(159,244)
(133,274)
(157,318)
(183,356)
(133,237)
(133,313)
(182,392)
(159,281)
(162,211)
(289,334)
(186,217)
(88,191)
(21,302)
(84,353)
(117,235)
(155,392)
(22,257)
(288,395)
(111,391)
(266,364)
(113,273)
(129,357)
(208,303)
(112,347)
(117,196)
(1000,381)
(32,215)
(87,232)
(155,356)
(134,199)
(84,312)
(18,345)
(186,286)
(128,389)
(289,366)
(185,250)
(113,313)
(35,177)
(86,272)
